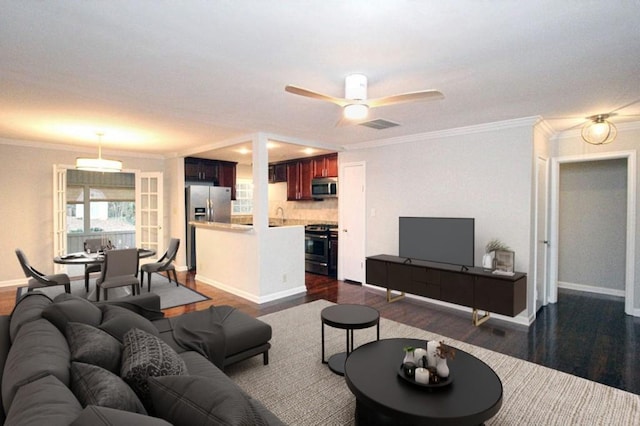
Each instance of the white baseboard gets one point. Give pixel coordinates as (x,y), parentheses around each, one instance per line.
(14,283)
(521,319)
(252,297)
(591,289)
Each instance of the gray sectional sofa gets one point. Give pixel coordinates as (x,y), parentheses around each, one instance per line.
(68,361)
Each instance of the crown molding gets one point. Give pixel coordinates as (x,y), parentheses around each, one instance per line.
(79,149)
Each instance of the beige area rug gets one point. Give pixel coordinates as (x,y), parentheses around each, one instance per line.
(301,390)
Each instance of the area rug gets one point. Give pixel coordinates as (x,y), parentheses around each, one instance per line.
(301,390)
(170,294)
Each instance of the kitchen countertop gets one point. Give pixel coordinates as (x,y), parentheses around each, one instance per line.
(222,226)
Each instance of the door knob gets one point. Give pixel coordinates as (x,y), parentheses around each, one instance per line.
(344,230)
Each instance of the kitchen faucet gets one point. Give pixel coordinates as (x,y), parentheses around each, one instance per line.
(280,209)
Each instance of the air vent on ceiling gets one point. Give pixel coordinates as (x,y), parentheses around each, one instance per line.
(379,124)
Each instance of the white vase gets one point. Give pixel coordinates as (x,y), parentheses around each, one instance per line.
(408,357)
(442,369)
(432,347)
(487,260)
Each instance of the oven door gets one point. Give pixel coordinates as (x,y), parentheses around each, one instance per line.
(316,247)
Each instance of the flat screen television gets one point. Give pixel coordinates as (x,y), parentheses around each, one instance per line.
(438,239)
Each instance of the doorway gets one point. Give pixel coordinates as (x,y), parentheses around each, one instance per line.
(629,249)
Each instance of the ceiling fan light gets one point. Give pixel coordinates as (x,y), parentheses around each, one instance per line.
(356,111)
(599,130)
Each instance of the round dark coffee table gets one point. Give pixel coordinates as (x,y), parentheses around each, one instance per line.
(384,398)
(347,317)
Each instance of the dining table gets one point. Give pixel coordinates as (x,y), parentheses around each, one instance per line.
(92,258)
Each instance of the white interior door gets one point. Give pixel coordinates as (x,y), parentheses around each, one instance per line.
(351,251)
(149,211)
(541,233)
(59,214)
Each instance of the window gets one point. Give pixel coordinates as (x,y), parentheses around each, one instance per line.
(100,204)
(243,203)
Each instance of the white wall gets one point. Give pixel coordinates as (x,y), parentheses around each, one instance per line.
(482,174)
(26,202)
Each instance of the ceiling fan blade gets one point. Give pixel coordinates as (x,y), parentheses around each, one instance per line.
(315,95)
(422,95)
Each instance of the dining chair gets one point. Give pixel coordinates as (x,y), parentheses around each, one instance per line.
(37,279)
(92,245)
(120,269)
(164,264)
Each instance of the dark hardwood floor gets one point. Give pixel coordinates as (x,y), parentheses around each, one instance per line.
(584,334)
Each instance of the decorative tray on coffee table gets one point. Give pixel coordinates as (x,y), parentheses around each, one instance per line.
(412,380)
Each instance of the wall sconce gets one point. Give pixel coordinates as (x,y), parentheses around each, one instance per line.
(599,130)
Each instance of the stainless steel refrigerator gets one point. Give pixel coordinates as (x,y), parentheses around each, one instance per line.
(205,203)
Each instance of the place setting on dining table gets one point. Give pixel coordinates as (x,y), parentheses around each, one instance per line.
(117,273)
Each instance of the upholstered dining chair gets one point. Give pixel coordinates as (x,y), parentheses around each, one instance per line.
(120,269)
(164,264)
(91,245)
(37,279)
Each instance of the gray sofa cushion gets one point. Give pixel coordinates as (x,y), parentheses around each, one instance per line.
(103,416)
(190,400)
(118,321)
(46,401)
(72,309)
(145,355)
(28,308)
(93,385)
(38,350)
(93,346)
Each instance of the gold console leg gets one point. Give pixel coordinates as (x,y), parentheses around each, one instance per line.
(391,298)
(477,320)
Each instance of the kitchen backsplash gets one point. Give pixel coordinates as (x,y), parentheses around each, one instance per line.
(298,212)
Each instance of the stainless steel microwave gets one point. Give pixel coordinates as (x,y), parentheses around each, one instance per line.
(324,188)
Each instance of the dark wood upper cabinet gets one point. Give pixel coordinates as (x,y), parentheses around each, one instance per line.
(325,166)
(299,175)
(277,172)
(210,172)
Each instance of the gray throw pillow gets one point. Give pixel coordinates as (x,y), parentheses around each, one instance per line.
(145,355)
(93,385)
(72,308)
(197,400)
(93,346)
(117,321)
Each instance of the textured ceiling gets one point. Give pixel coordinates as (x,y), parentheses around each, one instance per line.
(167,77)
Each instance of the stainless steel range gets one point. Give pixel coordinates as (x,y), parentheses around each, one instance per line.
(320,250)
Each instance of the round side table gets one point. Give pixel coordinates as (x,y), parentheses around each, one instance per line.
(347,317)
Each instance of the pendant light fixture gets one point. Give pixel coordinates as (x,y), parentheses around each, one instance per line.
(99,164)
(598,130)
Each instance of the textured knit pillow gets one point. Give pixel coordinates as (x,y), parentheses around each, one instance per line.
(93,385)
(145,355)
(93,346)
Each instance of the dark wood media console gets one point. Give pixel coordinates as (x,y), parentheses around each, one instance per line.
(474,287)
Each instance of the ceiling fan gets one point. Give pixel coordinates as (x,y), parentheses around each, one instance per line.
(355,103)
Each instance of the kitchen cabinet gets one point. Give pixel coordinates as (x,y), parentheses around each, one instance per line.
(474,287)
(325,166)
(299,175)
(277,172)
(212,172)
(200,170)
